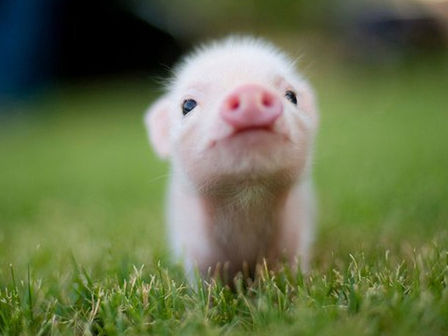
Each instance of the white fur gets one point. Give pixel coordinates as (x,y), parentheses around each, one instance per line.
(236,201)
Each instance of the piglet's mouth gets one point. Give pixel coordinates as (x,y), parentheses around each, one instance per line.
(253,135)
(252,129)
(262,131)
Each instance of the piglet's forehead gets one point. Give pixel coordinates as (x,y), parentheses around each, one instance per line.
(234,62)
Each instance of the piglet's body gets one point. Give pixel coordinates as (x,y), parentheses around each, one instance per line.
(237,123)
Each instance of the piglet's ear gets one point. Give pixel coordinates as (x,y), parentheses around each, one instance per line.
(157,123)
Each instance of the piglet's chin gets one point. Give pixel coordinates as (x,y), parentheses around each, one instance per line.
(255,151)
(233,162)
(233,179)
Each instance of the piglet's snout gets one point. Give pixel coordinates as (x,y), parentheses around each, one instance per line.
(251,106)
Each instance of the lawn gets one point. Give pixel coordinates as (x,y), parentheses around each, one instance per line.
(82,242)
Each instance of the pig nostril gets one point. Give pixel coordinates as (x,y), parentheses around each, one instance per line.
(233,103)
(267,100)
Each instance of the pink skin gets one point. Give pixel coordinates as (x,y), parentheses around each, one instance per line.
(240,189)
(251,107)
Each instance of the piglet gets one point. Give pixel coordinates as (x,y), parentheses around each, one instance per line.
(237,122)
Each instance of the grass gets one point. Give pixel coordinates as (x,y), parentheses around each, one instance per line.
(82,247)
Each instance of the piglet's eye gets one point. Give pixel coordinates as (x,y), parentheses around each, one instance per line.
(291,96)
(188,105)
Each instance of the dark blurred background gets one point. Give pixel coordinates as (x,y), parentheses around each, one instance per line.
(46,42)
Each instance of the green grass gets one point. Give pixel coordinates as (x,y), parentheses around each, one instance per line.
(82,247)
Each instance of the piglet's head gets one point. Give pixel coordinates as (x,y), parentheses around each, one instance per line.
(235,110)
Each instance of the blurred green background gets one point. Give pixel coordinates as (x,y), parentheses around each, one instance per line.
(78,178)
